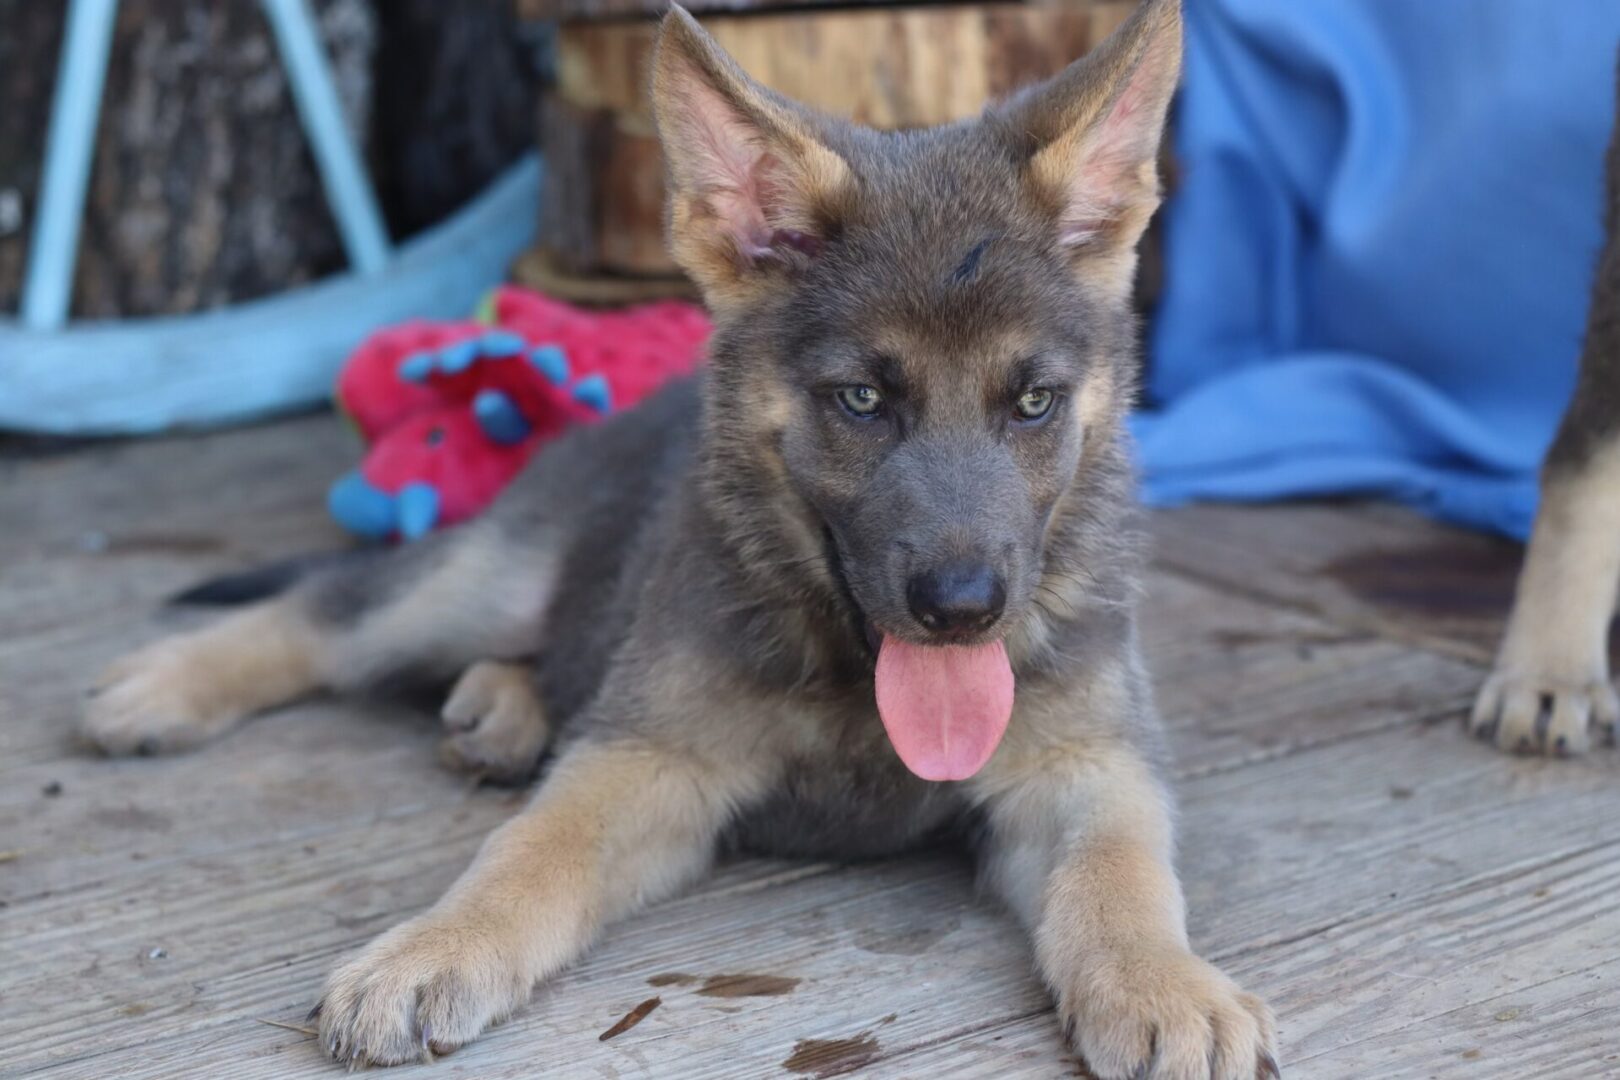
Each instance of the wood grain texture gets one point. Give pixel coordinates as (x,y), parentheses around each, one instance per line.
(540,270)
(1413,904)
(603,203)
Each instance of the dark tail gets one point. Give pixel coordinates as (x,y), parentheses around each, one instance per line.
(262,582)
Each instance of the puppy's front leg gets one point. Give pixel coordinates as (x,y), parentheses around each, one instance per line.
(1551,683)
(1080,846)
(615,825)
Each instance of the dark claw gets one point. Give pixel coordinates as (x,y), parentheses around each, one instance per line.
(316,1011)
(1267,1069)
(147,747)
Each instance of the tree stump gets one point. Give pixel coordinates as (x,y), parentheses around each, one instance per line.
(203,190)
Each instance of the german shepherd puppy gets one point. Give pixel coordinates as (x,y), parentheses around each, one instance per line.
(1551,683)
(868,580)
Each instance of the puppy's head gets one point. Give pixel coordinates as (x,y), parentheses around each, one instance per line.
(924,338)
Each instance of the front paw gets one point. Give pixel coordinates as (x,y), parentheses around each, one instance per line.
(1527,712)
(427,986)
(1166,1015)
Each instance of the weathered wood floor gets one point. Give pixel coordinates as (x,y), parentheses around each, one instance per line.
(1413,904)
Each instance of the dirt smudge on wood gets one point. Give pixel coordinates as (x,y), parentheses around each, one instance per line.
(912,941)
(631,1019)
(1459,579)
(132,817)
(157,543)
(673,978)
(832,1057)
(734,986)
(1234,638)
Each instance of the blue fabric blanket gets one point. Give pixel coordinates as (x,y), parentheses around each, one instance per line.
(1379,250)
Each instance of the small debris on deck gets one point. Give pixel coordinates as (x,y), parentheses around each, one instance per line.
(631,1019)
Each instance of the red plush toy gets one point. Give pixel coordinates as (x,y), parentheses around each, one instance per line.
(451,411)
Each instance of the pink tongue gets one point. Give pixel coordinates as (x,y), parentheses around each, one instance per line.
(944,706)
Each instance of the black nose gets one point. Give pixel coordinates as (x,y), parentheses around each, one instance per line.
(962,596)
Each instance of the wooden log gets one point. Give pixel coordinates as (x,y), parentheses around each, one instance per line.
(885,67)
(203,191)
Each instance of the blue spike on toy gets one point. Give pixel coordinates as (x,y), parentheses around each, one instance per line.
(418,510)
(593,390)
(502,343)
(459,356)
(361,507)
(417,367)
(552,362)
(500,418)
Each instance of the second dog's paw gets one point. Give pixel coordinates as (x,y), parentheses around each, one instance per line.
(154,701)
(497,726)
(424,987)
(1527,714)
(1166,1015)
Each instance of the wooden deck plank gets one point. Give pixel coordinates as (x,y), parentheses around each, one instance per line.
(1238,681)
(1345,901)
(1389,885)
(1508,976)
(1365,567)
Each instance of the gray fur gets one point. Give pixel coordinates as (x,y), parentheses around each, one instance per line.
(1593,419)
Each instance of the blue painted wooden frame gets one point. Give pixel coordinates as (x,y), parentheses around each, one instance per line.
(254,359)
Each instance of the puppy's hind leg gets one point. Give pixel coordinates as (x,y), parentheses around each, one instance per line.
(428,610)
(186,689)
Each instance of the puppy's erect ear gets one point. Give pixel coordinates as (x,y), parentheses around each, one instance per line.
(1093,132)
(753,190)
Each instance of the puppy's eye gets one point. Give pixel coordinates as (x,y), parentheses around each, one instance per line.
(1034,404)
(861,401)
